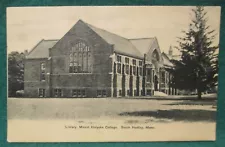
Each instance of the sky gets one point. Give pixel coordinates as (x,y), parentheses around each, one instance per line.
(26,26)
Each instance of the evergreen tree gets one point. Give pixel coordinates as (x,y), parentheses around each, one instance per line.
(198,67)
(15,72)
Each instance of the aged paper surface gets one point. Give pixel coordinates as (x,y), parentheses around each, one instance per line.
(111,74)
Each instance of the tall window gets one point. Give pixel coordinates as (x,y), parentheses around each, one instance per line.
(42,72)
(134,70)
(127,65)
(163,79)
(140,71)
(149,75)
(119,58)
(134,67)
(80,58)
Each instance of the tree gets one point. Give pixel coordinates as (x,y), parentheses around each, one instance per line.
(15,72)
(198,67)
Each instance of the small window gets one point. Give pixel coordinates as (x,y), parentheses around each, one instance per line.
(83,93)
(134,62)
(99,93)
(58,92)
(41,92)
(127,60)
(148,92)
(128,92)
(119,58)
(74,93)
(104,93)
(79,93)
(120,92)
(135,92)
(140,63)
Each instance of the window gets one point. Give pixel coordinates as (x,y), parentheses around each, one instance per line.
(127,69)
(131,70)
(140,71)
(79,58)
(155,55)
(83,93)
(134,62)
(134,70)
(104,93)
(149,75)
(148,92)
(120,92)
(118,58)
(41,92)
(58,92)
(127,60)
(74,93)
(128,92)
(118,64)
(140,63)
(42,72)
(118,67)
(163,77)
(78,93)
(135,92)
(101,93)
(127,65)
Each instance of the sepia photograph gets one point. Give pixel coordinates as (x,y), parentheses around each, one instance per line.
(112,73)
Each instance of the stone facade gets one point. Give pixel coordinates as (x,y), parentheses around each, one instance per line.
(83,63)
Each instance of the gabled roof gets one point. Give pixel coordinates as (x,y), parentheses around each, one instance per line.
(143,44)
(41,50)
(121,44)
(174,57)
(166,60)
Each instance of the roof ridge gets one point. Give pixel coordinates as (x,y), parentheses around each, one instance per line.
(51,39)
(142,38)
(105,30)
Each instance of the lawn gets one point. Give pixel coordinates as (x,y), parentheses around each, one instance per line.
(35,114)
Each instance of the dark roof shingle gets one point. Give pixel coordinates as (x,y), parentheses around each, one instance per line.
(121,44)
(143,44)
(41,50)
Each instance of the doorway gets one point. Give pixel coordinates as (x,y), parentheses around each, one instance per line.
(156,83)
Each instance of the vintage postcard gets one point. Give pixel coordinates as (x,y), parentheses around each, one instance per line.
(112,74)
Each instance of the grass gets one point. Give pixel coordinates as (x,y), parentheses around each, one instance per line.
(111,108)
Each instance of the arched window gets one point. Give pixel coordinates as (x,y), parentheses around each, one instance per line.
(79,58)
(155,55)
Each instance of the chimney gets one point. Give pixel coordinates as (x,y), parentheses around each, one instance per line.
(170,51)
(26,52)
